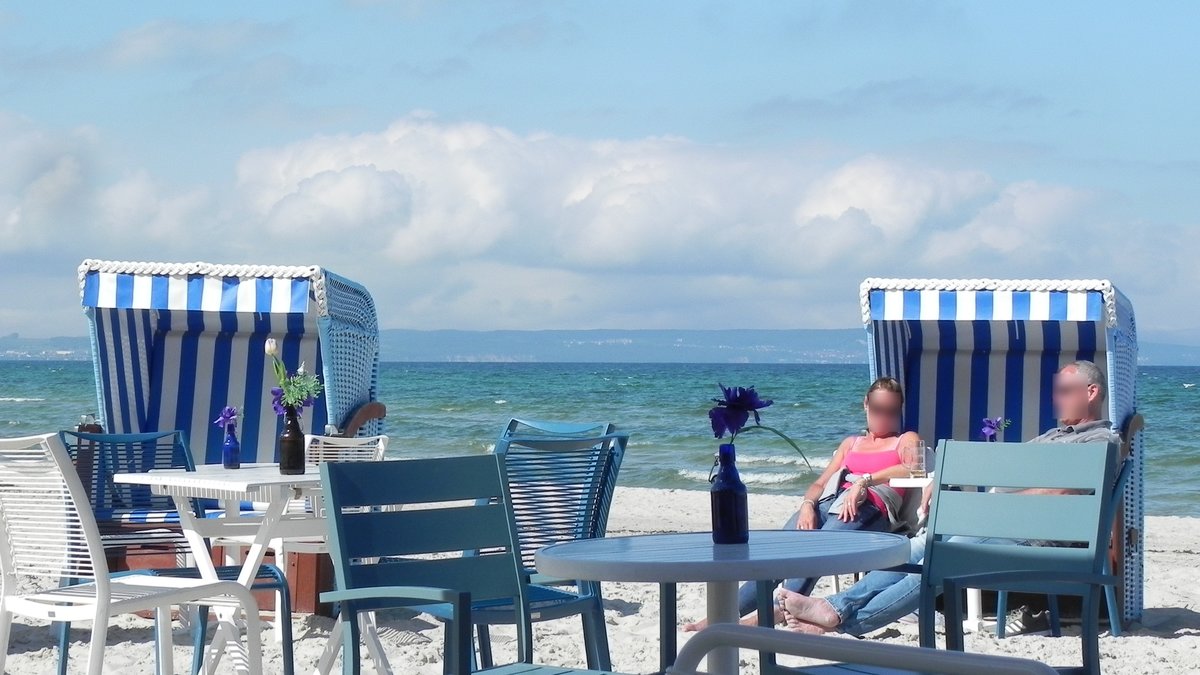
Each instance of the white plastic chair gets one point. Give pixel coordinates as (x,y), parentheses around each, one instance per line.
(861,654)
(46,536)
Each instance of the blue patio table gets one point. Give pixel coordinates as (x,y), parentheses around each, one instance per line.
(693,557)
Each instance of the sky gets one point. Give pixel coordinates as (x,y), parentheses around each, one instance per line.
(574,165)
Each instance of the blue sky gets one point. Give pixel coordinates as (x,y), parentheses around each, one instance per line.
(622,165)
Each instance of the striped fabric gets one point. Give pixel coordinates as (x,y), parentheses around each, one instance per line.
(173,344)
(161,370)
(968,349)
(113,290)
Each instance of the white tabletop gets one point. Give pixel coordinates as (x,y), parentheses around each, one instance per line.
(693,557)
(215,481)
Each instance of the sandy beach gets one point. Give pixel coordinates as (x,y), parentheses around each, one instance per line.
(1166,641)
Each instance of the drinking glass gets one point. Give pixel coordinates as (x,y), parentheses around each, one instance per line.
(912,456)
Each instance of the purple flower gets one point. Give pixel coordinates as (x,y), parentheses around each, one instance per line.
(277,400)
(733,411)
(992,426)
(228,417)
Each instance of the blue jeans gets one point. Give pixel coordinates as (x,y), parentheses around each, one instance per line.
(882,597)
(868,518)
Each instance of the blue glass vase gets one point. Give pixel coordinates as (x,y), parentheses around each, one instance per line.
(231,450)
(730,514)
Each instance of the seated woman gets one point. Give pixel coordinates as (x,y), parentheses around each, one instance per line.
(862,500)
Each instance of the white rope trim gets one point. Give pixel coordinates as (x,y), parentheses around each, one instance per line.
(1104,286)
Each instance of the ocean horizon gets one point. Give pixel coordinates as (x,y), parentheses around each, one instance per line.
(441,409)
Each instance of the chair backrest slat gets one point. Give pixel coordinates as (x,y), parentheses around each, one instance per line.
(962,507)
(44,533)
(562,487)
(459,505)
(97,457)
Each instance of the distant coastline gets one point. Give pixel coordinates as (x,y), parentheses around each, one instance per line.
(812,346)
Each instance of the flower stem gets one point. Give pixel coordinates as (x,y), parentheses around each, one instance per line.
(781,435)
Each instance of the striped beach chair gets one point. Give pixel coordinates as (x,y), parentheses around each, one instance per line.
(965,349)
(173,343)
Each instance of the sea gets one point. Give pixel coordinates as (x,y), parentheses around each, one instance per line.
(440,409)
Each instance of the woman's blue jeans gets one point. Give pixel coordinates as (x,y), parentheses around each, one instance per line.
(868,518)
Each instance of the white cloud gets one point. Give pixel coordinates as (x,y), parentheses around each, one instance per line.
(468,225)
(168,39)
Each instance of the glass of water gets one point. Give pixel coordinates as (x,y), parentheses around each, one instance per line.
(912,455)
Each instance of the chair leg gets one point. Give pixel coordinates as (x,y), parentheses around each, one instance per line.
(283,611)
(64,645)
(952,604)
(1055,618)
(351,659)
(667,617)
(1114,611)
(1001,614)
(162,641)
(595,637)
(1090,631)
(485,646)
(99,639)
(927,618)
(199,638)
(5,630)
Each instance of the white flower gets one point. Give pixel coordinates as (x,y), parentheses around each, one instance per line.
(300,370)
(271,347)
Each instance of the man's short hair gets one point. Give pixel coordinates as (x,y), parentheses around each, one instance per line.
(1092,375)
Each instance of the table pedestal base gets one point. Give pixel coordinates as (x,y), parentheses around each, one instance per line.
(722,608)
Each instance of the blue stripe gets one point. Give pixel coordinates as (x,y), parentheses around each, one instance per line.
(263,289)
(912,304)
(157,358)
(91,289)
(912,375)
(875,298)
(947,305)
(1095,306)
(124,290)
(102,347)
(1088,341)
(299,302)
(984,305)
(136,347)
(1014,390)
(119,366)
(189,356)
(947,349)
(978,405)
(1058,306)
(1020,305)
(147,340)
(160,292)
(256,383)
(195,292)
(229,295)
(1051,348)
(220,377)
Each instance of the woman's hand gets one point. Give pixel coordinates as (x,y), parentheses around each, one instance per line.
(808,516)
(854,496)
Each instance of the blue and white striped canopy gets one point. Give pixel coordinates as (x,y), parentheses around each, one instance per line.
(175,343)
(966,349)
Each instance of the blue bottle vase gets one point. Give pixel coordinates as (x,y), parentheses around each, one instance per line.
(231,450)
(730,514)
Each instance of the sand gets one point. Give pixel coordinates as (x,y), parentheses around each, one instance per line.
(1166,641)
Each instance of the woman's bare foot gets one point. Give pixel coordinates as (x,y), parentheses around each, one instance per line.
(693,626)
(814,611)
(805,627)
(750,619)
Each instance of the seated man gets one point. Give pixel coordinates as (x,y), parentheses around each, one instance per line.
(882,597)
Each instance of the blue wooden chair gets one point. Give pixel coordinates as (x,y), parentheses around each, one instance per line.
(1129,431)
(380,552)
(561,478)
(1079,525)
(133,516)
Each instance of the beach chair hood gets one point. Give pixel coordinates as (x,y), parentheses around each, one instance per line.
(965,349)
(173,343)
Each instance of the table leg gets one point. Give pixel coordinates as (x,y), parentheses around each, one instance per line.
(668,618)
(722,608)
(974,620)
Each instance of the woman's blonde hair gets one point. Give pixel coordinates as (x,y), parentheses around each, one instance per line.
(887,384)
